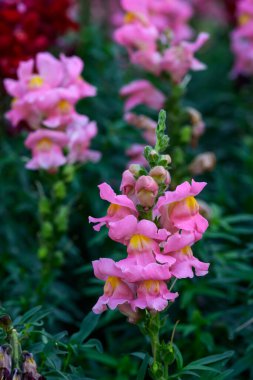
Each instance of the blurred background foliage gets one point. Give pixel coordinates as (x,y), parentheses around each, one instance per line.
(215,312)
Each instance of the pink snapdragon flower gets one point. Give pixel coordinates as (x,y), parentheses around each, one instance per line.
(127,186)
(242,39)
(179,209)
(179,58)
(141,238)
(116,291)
(142,92)
(153,295)
(47,90)
(44,96)
(163,14)
(120,207)
(185,262)
(178,247)
(46,149)
(80,134)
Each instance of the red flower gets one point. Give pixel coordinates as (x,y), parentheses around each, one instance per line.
(30,26)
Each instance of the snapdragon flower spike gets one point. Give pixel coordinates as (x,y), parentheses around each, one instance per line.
(142,238)
(179,210)
(158,238)
(120,206)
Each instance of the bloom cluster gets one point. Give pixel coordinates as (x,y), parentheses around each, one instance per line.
(158,227)
(44,98)
(30,26)
(156,35)
(242,39)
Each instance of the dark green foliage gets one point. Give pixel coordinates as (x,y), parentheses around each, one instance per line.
(215,312)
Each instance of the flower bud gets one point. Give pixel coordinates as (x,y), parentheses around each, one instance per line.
(167,158)
(127,186)
(5,321)
(146,190)
(160,175)
(60,190)
(153,155)
(204,162)
(134,169)
(198,125)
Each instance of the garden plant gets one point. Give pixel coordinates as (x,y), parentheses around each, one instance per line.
(126,177)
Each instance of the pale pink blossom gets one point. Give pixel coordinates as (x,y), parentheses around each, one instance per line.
(179,209)
(116,291)
(178,248)
(120,207)
(185,262)
(142,92)
(46,149)
(153,295)
(163,14)
(46,91)
(80,134)
(142,238)
(179,58)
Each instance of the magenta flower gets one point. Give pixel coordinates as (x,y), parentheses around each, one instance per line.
(179,209)
(142,92)
(153,295)
(46,149)
(120,207)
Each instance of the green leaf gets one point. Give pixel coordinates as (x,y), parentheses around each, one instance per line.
(88,325)
(143,368)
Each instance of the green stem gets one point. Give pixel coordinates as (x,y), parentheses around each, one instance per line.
(16,349)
